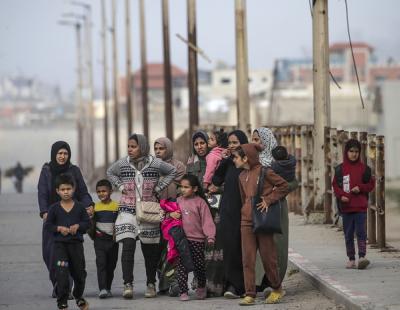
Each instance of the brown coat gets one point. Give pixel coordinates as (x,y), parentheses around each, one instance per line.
(274,188)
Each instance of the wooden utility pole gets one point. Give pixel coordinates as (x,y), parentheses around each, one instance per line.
(272,104)
(169,122)
(105,83)
(321,106)
(128,66)
(242,70)
(115,78)
(79,93)
(143,60)
(192,64)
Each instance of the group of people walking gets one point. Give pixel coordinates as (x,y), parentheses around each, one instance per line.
(217,241)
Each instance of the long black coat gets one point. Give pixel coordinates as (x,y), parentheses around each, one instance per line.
(230,210)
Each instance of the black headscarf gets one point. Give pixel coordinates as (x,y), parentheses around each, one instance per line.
(199,134)
(57,169)
(240,135)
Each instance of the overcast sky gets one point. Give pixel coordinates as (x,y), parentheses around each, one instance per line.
(33,44)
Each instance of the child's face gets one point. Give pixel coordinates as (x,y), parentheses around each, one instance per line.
(212,141)
(104,193)
(160,151)
(255,138)
(240,162)
(62,156)
(353,154)
(187,190)
(133,149)
(65,191)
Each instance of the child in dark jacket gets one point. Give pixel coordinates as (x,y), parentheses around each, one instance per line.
(199,229)
(68,220)
(284,165)
(352,183)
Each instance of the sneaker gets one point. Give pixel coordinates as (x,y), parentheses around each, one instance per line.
(109,294)
(247,301)
(351,264)
(103,294)
(128,291)
(231,293)
(82,304)
(150,291)
(275,297)
(62,306)
(201,293)
(184,297)
(363,263)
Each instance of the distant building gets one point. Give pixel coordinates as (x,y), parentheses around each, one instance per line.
(370,71)
(155,83)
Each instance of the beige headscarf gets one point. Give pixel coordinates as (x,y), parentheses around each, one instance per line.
(167,143)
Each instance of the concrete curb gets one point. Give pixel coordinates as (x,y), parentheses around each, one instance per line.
(330,287)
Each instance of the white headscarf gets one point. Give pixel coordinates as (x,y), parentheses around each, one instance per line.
(268,142)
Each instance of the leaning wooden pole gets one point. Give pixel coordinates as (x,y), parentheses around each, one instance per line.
(321,107)
(192,65)
(143,61)
(169,122)
(242,70)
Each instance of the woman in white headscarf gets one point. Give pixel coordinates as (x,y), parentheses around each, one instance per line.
(265,137)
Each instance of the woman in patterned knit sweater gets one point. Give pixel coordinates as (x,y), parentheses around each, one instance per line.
(141,172)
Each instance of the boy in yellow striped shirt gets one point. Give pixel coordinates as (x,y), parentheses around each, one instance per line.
(106,249)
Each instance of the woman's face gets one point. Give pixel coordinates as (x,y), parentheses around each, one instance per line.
(62,156)
(233,142)
(160,151)
(255,138)
(200,147)
(133,149)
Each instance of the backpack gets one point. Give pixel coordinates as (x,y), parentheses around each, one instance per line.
(366,177)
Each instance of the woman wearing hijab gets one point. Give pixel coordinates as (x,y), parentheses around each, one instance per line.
(229,227)
(60,163)
(163,149)
(197,165)
(265,137)
(137,176)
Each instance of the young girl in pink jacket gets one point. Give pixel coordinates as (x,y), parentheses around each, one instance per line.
(217,143)
(199,229)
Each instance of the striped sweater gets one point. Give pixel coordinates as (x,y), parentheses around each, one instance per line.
(155,176)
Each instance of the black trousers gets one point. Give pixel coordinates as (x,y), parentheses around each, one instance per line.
(69,259)
(106,250)
(151,254)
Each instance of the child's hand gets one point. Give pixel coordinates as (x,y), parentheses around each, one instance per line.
(175,215)
(210,245)
(226,153)
(89,211)
(355,190)
(212,188)
(44,217)
(63,230)
(73,229)
(345,199)
(262,206)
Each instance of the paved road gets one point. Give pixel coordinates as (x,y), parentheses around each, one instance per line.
(24,283)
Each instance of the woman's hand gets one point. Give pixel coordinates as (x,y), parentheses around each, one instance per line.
(175,215)
(262,206)
(226,153)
